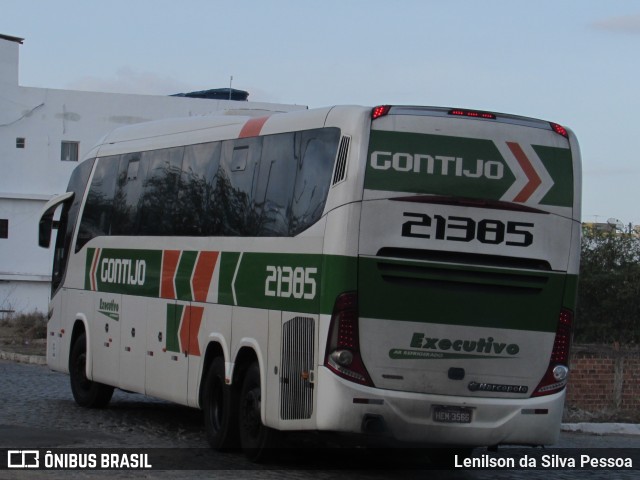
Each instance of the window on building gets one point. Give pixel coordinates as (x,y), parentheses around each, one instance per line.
(4,228)
(20,142)
(69,151)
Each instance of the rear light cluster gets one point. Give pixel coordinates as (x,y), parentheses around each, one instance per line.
(343,345)
(559,129)
(555,378)
(380,111)
(472,113)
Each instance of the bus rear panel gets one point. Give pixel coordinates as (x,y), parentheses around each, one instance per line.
(467,273)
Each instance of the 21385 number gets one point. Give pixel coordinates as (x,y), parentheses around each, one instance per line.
(464,229)
(287,282)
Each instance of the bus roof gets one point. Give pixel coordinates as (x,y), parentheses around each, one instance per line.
(206,128)
(238,123)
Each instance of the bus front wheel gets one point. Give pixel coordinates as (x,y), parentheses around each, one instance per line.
(86,393)
(255,438)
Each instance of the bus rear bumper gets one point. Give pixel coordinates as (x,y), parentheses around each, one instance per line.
(345,406)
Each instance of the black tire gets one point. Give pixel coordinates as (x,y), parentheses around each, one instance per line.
(220,409)
(86,393)
(256,439)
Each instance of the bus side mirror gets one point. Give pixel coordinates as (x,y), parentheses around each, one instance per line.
(44,229)
(47,224)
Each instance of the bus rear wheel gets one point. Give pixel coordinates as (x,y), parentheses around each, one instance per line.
(86,393)
(256,439)
(219,408)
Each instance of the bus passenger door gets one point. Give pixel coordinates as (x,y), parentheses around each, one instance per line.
(167,362)
(133,344)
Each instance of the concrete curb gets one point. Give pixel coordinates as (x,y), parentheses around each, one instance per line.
(18,357)
(602,428)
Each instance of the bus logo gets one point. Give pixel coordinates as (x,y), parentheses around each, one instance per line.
(23,459)
(482,345)
(435,348)
(495,387)
(109,309)
(437,165)
(499,169)
(123,271)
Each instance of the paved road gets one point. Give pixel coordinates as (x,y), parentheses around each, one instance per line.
(38,411)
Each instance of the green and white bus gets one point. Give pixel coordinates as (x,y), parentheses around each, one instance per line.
(407,272)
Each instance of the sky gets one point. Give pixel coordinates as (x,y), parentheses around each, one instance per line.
(574,62)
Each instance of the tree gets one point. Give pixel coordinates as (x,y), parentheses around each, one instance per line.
(609,289)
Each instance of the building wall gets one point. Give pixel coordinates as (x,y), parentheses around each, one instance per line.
(8,62)
(20,257)
(605,380)
(24,296)
(29,176)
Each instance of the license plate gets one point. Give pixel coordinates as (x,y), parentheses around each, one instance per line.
(451,414)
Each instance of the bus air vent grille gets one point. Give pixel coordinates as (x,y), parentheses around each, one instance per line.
(450,277)
(340,172)
(296,372)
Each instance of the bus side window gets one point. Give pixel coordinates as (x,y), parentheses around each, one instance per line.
(315,163)
(274,190)
(160,191)
(237,178)
(98,210)
(198,209)
(129,188)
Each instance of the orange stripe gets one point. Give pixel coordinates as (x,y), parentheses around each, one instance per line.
(190,329)
(202,275)
(253,127)
(530,172)
(169,265)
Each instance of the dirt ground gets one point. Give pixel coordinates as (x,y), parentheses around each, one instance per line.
(13,338)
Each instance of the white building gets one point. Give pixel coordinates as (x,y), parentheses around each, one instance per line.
(43,134)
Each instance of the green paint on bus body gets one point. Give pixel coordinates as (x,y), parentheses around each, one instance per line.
(414,291)
(124,271)
(174,315)
(184,274)
(428,292)
(559,164)
(279,281)
(228,263)
(458,166)
(436,164)
(306,283)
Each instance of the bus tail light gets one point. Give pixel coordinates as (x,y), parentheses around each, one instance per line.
(380,111)
(559,129)
(343,345)
(459,112)
(555,378)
